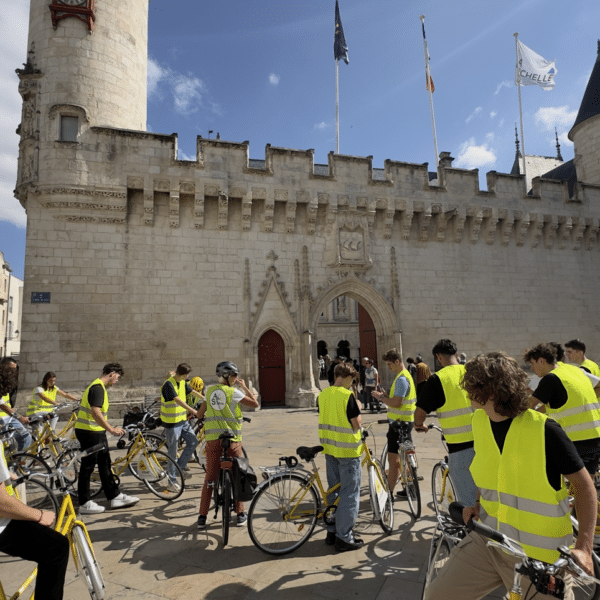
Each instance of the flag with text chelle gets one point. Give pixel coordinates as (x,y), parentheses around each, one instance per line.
(340,48)
(533,69)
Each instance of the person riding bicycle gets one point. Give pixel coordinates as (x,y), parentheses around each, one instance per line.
(444,394)
(521,459)
(223,414)
(43,400)
(90,429)
(8,414)
(26,532)
(173,414)
(400,407)
(339,433)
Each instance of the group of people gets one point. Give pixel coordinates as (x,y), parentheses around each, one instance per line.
(509,461)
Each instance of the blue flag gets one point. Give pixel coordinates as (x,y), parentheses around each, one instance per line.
(340,48)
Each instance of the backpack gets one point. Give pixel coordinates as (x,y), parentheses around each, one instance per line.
(244,479)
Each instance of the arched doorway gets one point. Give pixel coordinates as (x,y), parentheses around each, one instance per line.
(271,369)
(368,335)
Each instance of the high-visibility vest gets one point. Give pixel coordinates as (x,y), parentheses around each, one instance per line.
(456,415)
(4,400)
(516,496)
(9,488)
(580,416)
(219,417)
(84,416)
(406,412)
(37,405)
(171,412)
(591,366)
(336,433)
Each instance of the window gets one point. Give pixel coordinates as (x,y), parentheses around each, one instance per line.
(69,128)
(10,304)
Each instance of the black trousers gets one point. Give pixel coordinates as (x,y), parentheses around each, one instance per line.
(40,544)
(87,439)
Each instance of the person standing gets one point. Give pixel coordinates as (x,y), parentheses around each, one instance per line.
(371,383)
(223,415)
(8,414)
(173,414)
(43,399)
(339,433)
(443,393)
(423,373)
(90,429)
(575,351)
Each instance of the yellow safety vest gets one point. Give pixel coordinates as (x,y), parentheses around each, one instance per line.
(4,400)
(9,488)
(336,433)
(37,405)
(84,416)
(406,412)
(456,414)
(591,366)
(580,416)
(516,496)
(219,417)
(171,412)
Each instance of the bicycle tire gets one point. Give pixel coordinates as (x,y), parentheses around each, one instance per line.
(386,466)
(23,463)
(413,493)
(158,479)
(442,483)
(381,499)
(153,442)
(72,473)
(36,494)
(88,565)
(227,488)
(268,525)
(439,554)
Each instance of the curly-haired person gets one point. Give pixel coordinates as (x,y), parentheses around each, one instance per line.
(521,459)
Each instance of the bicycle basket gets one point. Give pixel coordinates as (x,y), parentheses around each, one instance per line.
(133,417)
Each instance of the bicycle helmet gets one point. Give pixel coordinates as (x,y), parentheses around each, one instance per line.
(226,369)
(197,384)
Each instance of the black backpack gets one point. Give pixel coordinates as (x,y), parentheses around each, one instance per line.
(244,479)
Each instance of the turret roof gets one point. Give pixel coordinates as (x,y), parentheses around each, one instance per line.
(590,105)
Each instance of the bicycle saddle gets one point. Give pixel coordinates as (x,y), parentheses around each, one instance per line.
(307,454)
(227,435)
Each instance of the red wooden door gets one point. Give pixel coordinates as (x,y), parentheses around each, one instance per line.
(367,335)
(271,369)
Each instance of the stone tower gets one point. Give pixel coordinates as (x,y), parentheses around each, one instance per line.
(585,132)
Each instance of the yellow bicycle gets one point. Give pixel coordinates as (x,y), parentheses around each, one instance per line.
(442,488)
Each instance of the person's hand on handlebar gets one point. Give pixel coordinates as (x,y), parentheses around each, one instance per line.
(471,512)
(422,428)
(584,560)
(117,431)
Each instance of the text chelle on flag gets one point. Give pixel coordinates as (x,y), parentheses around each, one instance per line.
(533,69)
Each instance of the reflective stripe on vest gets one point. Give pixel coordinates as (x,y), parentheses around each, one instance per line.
(406,412)
(591,366)
(171,412)
(84,416)
(516,497)
(456,414)
(580,416)
(336,433)
(219,416)
(37,405)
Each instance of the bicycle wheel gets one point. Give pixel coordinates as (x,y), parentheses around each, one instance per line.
(29,464)
(87,563)
(72,473)
(227,491)
(386,465)
(153,469)
(381,499)
(413,494)
(153,442)
(36,494)
(438,555)
(442,489)
(283,514)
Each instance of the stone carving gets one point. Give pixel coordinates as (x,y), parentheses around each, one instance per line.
(187,187)
(28,121)
(591,233)
(565,226)
(407,217)
(135,183)
(352,246)
(162,185)
(578,232)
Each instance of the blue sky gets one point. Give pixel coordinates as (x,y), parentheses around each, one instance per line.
(264,71)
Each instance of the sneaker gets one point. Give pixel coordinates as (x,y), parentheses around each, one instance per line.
(186,474)
(241,519)
(91,508)
(186,468)
(123,501)
(201,522)
(402,494)
(173,487)
(342,546)
(330,539)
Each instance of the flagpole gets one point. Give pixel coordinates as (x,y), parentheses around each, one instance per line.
(428,76)
(518,82)
(337,106)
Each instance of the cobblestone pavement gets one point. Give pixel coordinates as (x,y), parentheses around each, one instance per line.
(154,551)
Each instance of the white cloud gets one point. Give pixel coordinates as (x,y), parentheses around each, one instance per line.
(550,117)
(273,79)
(564,140)
(501,123)
(493,114)
(154,75)
(183,156)
(186,94)
(507,83)
(321,125)
(472,156)
(489,136)
(473,114)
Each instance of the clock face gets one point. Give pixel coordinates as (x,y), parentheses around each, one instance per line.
(72,2)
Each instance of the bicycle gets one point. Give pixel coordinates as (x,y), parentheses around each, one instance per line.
(442,488)
(287,505)
(544,577)
(79,540)
(407,472)
(21,463)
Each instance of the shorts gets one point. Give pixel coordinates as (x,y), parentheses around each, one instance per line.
(392,438)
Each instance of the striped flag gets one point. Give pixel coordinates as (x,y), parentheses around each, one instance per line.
(340,48)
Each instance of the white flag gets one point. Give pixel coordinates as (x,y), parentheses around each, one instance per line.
(533,69)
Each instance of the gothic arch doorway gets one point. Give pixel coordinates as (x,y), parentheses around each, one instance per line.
(271,369)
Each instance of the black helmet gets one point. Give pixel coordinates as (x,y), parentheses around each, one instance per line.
(226,369)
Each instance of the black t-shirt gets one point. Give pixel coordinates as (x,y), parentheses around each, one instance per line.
(562,457)
(551,391)
(168,391)
(96,396)
(432,398)
(352,409)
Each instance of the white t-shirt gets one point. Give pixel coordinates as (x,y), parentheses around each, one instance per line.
(4,476)
(40,390)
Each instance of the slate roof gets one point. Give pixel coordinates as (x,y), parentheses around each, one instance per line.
(590,105)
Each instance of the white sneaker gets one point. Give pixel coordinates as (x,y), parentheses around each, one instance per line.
(173,487)
(91,508)
(186,474)
(122,501)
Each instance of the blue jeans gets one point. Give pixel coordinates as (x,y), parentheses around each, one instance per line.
(181,429)
(347,472)
(22,436)
(459,463)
